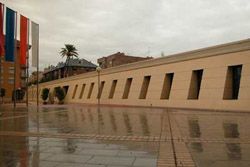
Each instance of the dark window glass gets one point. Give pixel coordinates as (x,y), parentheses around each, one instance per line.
(112,90)
(232,84)
(127,88)
(167,84)
(144,88)
(195,84)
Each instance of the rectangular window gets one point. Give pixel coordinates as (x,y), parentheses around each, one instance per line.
(232,84)
(11,80)
(112,90)
(82,91)
(90,89)
(144,88)
(195,84)
(100,90)
(127,88)
(167,84)
(74,93)
(11,71)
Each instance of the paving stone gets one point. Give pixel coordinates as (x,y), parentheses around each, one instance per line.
(47,164)
(145,162)
(90,146)
(77,165)
(111,160)
(100,152)
(69,158)
(134,153)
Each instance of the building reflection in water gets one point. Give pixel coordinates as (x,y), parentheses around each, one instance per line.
(82,115)
(100,122)
(90,115)
(110,121)
(14,151)
(195,132)
(194,128)
(70,146)
(233,149)
(197,146)
(144,124)
(231,130)
(113,121)
(36,154)
(100,118)
(127,123)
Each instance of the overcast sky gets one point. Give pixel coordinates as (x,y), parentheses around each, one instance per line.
(136,27)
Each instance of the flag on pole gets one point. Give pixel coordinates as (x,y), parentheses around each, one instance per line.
(1,31)
(35,43)
(23,39)
(10,35)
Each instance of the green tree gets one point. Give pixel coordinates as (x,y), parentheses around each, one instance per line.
(69,51)
(60,94)
(45,95)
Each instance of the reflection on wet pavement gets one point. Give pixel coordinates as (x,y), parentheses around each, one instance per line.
(122,137)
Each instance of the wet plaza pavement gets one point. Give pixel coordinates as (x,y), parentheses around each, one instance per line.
(88,136)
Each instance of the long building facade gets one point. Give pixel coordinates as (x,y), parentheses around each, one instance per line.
(216,78)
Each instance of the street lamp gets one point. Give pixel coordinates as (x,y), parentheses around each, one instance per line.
(98,70)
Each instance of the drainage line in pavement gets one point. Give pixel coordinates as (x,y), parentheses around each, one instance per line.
(172,139)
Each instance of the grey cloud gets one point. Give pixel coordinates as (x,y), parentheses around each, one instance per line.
(100,28)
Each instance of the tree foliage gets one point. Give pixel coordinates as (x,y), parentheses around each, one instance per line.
(60,94)
(45,94)
(69,51)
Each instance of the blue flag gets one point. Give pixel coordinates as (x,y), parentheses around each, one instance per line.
(10,35)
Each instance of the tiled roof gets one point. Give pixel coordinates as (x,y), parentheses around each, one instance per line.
(72,63)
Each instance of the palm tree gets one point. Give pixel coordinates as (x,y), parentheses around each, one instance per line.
(69,52)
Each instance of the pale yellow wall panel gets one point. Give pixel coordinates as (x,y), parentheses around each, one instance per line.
(244,93)
(179,94)
(246,69)
(211,94)
(213,83)
(245,81)
(215,72)
(180,76)
(183,85)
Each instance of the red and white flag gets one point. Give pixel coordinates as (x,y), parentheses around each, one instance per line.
(23,39)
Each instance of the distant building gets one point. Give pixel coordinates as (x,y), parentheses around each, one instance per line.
(33,77)
(118,59)
(73,67)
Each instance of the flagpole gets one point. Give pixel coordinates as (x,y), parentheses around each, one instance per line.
(37,72)
(27,66)
(15,59)
(1,79)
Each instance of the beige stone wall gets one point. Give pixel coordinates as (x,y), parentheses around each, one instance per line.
(214,61)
